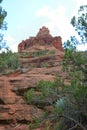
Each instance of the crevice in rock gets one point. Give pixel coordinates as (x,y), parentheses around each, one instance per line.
(6,122)
(2,102)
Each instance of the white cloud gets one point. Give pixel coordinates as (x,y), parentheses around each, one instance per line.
(11,42)
(82,47)
(58,23)
(9,39)
(14,47)
(80,2)
(44,11)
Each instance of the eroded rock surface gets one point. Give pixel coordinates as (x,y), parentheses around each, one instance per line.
(43,37)
(15,113)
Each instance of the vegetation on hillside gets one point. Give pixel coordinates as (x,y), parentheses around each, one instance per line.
(8,61)
(69,101)
(38,53)
(72,106)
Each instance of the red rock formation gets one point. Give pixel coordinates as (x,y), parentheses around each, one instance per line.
(57,43)
(43,37)
(43,33)
(15,113)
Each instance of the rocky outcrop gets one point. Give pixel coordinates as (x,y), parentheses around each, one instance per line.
(57,43)
(40,59)
(43,33)
(43,37)
(15,113)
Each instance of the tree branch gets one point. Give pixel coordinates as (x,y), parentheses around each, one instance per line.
(71,119)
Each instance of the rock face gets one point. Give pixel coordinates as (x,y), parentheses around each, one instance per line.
(40,59)
(43,37)
(43,32)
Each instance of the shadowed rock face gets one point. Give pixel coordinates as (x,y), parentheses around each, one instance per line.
(43,37)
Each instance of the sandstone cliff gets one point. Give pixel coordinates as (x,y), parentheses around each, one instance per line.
(42,38)
(40,58)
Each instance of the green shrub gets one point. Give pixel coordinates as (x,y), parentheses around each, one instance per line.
(47,93)
(35,124)
(38,53)
(29,95)
(9,60)
(72,105)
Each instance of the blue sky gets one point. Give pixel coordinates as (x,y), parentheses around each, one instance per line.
(25,17)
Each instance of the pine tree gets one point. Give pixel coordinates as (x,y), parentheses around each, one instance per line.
(3,24)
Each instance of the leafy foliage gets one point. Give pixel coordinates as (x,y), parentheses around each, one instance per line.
(80,23)
(47,93)
(71,108)
(8,60)
(73,105)
(68,100)
(3,25)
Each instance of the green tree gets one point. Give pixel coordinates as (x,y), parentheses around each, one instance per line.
(3,24)
(72,107)
(80,23)
(69,100)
